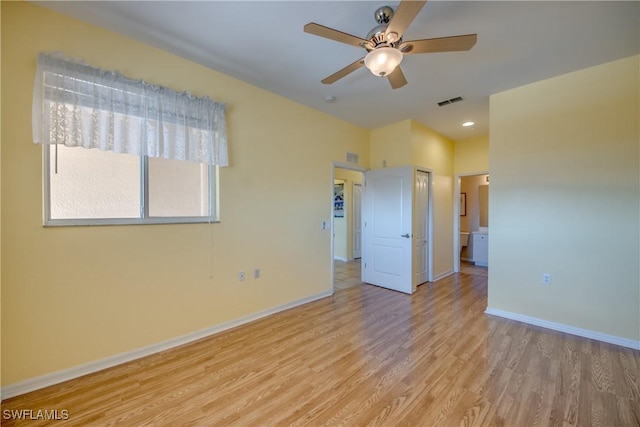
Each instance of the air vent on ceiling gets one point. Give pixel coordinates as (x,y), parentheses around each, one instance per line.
(449,101)
(352,157)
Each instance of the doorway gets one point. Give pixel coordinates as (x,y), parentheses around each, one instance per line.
(346,243)
(471,221)
(397,225)
(349,180)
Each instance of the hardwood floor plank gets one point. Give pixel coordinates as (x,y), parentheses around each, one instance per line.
(586,396)
(365,356)
(601,369)
(628,373)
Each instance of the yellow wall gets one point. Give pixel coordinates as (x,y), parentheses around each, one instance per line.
(71,295)
(565,199)
(471,155)
(431,150)
(391,145)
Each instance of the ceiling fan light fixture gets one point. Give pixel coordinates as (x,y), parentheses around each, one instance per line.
(383,60)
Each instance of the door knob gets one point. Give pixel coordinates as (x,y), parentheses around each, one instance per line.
(406,235)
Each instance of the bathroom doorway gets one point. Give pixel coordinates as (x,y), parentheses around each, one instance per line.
(471,230)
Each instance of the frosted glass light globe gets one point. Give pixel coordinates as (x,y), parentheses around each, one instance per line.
(383,60)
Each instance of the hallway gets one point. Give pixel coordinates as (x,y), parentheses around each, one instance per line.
(348,274)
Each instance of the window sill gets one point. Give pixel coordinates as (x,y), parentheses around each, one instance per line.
(127,221)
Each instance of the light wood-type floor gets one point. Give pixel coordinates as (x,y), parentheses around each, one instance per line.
(346,274)
(366,356)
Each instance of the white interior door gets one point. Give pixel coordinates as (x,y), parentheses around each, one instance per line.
(421,227)
(387,228)
(357,221)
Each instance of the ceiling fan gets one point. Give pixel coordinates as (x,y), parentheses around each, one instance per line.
(384,45)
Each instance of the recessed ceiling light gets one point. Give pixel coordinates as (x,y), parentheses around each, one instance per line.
(467,124)
(330,99)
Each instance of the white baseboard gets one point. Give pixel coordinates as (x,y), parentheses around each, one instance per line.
(47,380)
(442,275)
(340,258)
(611,339)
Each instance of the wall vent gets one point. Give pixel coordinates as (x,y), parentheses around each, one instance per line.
(352,157)
(450,101)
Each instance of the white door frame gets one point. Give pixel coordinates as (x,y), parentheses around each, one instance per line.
(456,222)
(356,242)
(340,165)
(456,217)
(430,211)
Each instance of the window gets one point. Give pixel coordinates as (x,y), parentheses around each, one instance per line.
(93,187)
(123,151)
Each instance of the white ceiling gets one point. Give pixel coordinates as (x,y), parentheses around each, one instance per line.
(263,43)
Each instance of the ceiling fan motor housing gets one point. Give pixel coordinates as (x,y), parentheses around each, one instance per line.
(378,38)
(377,35)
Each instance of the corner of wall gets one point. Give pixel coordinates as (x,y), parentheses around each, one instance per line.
(390,146)
(471,155)
(431,149)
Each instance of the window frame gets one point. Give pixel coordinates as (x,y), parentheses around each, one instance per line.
(144,217)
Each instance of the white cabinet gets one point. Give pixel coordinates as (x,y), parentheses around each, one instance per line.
(480,249)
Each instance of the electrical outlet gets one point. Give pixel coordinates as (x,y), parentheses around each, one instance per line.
(241,276)
(256,273)
(546,279)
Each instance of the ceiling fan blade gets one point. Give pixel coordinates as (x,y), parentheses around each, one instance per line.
(403,16)
(344,72)
(396,78)
(331,34)
(441,44)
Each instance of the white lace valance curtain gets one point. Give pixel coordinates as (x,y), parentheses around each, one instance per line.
(77,105)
